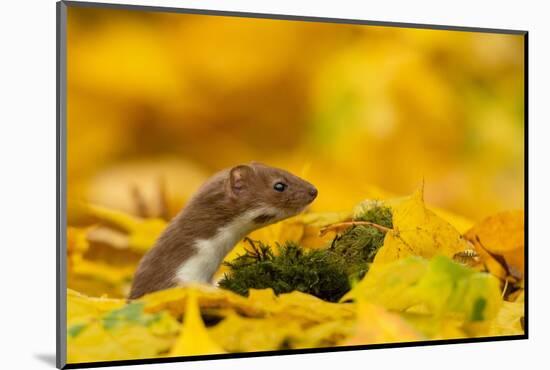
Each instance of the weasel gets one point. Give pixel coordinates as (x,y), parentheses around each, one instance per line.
(226,208)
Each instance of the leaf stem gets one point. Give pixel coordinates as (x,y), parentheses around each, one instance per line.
(348,224)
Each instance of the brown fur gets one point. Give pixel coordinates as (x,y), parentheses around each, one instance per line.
(223,197)
(263,219)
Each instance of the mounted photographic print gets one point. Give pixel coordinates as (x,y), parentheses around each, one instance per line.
(238,184)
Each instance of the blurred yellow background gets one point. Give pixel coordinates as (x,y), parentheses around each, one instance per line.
(157,102)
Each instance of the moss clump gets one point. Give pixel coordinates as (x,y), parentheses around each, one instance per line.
(358,245)
(315,272)
(325,273)
(377,214)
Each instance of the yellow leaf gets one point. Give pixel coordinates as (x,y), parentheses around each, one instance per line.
(95,343)
(326,334)
(265,297)
(517,296)
(299,319)
(436,327)
(417,231)
(441,286)
(377,325)
(301,306)
(194,338)
(280,232)
(142,233)
(489,263)
(100,270)
(101,329)
(81,307)
(259,303)
(501,236)
(238,334)
(386,285)
(459,222)
(175,299)
(508,320)
(76,240)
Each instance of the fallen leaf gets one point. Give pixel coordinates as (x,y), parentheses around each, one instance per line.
(327,334)
(500,242)
(301,306)
(81,307)
(440,285)
(95,342)
(76,241)
(239,334)
(175,299)
(194,339)
(280,232)
(517,296)
(436,328)
(417,231)
(100,329)
(377,325)
(142,233)
(508,320)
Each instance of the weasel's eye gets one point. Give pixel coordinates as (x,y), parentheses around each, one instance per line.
(280,187)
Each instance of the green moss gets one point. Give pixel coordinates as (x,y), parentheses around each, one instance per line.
(325,273)
(310,271)
(377,214)
(358,245)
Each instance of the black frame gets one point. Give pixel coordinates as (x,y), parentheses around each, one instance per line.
(61,144)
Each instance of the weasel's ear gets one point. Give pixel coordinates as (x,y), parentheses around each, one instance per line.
(239,178)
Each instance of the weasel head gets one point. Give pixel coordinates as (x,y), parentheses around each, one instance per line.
(276,194)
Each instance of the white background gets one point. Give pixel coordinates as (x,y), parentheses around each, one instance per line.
(27,182)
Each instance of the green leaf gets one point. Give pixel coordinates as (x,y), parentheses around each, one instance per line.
(440,286)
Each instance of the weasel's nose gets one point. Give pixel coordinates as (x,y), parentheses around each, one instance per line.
(313,192)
